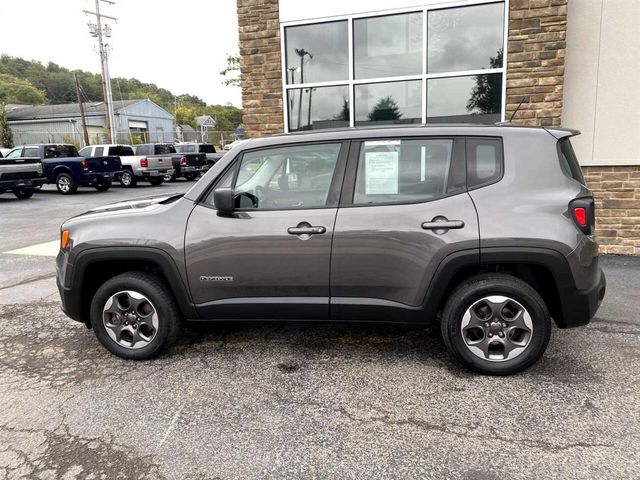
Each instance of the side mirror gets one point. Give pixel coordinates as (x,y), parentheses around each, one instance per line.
(224,200)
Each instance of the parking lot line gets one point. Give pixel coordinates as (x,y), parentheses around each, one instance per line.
(47,249)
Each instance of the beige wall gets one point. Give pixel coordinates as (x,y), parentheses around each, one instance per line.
(602,80)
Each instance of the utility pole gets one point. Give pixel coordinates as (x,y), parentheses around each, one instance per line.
(81,105)
(301,52)
(97,31)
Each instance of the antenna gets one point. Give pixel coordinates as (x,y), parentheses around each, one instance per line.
(518,107)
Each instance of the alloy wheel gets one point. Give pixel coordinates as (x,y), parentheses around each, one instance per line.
(130,319)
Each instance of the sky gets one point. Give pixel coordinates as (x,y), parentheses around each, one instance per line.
(180,46)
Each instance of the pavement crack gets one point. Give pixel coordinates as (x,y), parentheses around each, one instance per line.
(30,280)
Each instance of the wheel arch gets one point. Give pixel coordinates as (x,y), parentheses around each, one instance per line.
(92,267)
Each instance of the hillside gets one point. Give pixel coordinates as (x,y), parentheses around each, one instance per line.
(31,82)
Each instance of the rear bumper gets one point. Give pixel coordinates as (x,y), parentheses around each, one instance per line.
(160,172)
(579,306)
(22,183)
(94,177)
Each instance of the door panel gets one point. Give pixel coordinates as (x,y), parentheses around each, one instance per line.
(257,261)
(404,209)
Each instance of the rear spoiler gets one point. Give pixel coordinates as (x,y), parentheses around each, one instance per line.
(559,133)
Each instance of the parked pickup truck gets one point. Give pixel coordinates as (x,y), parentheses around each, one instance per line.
(64,167)
(206,148)
(187,165)
(152,168)
(20,175)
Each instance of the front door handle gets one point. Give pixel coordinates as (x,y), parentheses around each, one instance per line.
(306,230)
(443,224)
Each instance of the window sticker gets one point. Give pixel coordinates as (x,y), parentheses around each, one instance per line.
(381,173)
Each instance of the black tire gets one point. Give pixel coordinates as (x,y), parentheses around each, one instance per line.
(65,184)
(170,178)
(103,185)
(156,181)
(156,290)
(23,193)
(191,176)
(477,288)
(128,179)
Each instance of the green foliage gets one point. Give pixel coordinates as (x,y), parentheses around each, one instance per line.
(55,84)
(186,116)
(16,90)
(232,71)
(6,136)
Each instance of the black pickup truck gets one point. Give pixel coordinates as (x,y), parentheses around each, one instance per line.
(64,167)
(20,175)
(206,148)
(187,165)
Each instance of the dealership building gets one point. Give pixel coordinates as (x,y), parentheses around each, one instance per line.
(315,65)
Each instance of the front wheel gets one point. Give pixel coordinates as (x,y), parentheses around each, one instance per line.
(23,193)
(495,324)
(103,185)
(65,184)
(134,316)
(128,179)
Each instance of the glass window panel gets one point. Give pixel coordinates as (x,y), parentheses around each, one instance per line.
(403,170)
(465,38)
(484,160)
(298,176)
(318,107)
(388,46)
(469,99)
(388,103)
(317,53)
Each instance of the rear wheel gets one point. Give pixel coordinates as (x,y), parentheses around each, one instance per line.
(134,316)
(156,181)
(496,324)
(65,184)
(23,193)
(170,178)
(128,179)
(103,185)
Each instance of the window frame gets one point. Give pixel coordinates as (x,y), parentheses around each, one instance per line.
(335,186)
(458,156)
(424,76)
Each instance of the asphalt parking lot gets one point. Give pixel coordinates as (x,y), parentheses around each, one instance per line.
(248,400)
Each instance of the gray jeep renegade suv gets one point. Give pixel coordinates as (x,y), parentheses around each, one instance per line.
(486,229)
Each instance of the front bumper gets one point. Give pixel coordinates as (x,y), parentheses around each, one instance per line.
(579,306)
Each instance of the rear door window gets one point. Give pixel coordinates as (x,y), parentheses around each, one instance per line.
(406,171)
(569,161)
(484,161)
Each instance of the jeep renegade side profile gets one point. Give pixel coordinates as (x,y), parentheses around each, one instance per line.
(487,229)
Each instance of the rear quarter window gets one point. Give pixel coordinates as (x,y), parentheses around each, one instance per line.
(484,161)
(568,161)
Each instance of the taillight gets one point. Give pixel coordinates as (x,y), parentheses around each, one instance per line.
(183,162)
(580,216)
(582,211)
(85,165)
(144,162)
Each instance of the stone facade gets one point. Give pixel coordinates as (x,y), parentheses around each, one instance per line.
(617,194)
(535,60)
(260,67)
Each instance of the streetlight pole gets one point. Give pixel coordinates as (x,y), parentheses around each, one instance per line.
(104,61)
(301,52)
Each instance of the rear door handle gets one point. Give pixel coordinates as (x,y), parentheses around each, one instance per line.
(310,230)
(443,225)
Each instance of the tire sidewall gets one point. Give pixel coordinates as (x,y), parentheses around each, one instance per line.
(527,297)
(154,294)
(132,180)
(72,185)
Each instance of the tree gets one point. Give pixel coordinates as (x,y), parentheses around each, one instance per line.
(486,96)
(232,71)
(344,111)
(186,116)
(16,90)
(6,136)
(385,109)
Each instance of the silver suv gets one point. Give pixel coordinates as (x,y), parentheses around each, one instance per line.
(486,229)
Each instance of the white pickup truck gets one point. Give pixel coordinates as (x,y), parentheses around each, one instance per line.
(152,168)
